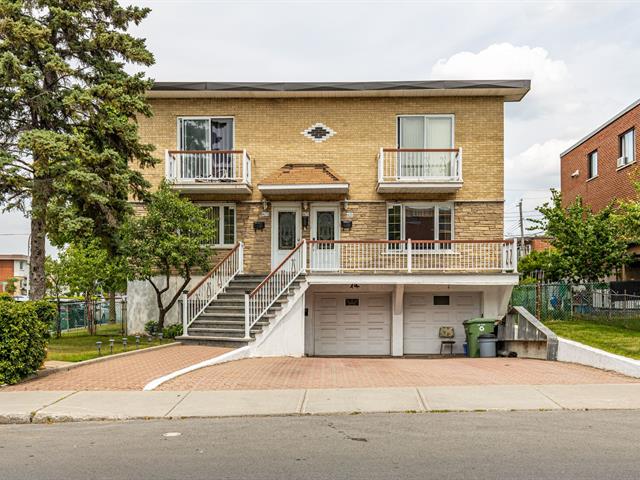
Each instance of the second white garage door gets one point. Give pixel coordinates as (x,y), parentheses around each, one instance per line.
(425,313)
(357,324)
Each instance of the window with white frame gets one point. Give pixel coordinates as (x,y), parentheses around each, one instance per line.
(420,132)
(592,160)
(421,222)
(224,220)
(627,147)
(206,134)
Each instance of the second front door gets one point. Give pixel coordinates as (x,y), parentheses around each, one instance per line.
(325,255)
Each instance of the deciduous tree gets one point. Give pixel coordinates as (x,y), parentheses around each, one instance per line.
(590,246)
(169,239)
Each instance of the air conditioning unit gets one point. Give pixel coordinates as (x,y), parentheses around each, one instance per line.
(622,161)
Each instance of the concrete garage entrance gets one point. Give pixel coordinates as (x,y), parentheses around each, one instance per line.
(352,324)
(425,313)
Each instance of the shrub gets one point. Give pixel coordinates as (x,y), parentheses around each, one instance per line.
(47,313)
(172,331)
(5,297)
(23,345)
(151,327)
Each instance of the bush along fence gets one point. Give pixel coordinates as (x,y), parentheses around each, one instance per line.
(564,301)
(75,314)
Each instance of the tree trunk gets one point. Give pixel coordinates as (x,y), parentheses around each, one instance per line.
(112,307)
(37,281)
(39,199)
(161,315)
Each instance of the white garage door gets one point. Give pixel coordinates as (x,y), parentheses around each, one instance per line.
(357,324)
(425,313)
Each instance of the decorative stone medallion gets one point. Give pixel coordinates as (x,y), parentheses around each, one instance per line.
(318,132)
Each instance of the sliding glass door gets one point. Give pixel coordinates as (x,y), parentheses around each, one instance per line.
(206,134)
(419,132)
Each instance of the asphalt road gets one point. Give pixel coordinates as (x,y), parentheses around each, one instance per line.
(509,445)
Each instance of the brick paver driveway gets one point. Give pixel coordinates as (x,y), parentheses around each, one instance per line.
(317,372)
(131,372)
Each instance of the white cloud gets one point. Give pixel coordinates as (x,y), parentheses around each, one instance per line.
(550,78)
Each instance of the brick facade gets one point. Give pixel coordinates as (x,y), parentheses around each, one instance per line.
(270,129)
(611,183)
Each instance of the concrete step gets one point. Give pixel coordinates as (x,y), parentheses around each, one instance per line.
(224,323)
(218,341)
(226,332)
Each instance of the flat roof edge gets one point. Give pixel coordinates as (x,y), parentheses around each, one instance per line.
(512,89)
(601,127)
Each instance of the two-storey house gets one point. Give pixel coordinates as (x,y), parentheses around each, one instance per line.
(352,218)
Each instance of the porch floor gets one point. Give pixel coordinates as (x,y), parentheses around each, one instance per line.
(358,372)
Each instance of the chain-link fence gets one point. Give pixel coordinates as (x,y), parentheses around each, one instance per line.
(76,315)
(585,301)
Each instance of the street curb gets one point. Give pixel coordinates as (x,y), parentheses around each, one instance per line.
(46,372)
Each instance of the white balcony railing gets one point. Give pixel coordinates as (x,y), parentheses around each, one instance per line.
(420,165)
(199,297)
(208,166)
(258,302)
(407,256)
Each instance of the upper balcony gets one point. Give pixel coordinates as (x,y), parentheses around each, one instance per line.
(419,170)
(209,171)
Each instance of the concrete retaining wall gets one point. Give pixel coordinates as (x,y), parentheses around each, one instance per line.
(575,352)
(141,303)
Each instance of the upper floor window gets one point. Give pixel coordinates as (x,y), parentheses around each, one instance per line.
(224,219)
(420,222)
(205,133)
(592,159)
(417,133)
(627,148)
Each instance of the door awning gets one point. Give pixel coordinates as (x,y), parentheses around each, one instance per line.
(303,178)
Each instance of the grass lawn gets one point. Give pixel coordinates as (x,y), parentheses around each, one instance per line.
(79,345)
(612,338)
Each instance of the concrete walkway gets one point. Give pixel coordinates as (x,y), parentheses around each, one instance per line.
(60,406)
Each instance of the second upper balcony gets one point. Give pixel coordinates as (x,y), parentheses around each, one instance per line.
(207,161)
(419,170)
(425,158)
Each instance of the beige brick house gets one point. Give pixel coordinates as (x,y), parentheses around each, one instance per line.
(353,218)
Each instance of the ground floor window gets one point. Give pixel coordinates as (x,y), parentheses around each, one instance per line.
(420,222)
(224,219)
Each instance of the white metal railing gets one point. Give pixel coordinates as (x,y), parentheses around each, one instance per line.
(407,256)
(186,166)
(199,297)
(258,302)
(419,164)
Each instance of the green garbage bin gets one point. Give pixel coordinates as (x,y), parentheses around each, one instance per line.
(475,327)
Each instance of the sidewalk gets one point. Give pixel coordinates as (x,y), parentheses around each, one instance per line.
(62,406)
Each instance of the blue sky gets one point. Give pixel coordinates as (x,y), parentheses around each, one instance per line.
(583,59)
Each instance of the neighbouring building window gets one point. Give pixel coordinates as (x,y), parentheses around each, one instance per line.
(627,147)
(419,132)
(420,222)
(593,164)
(224,219)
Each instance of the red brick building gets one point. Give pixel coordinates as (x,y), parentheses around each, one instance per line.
(602,167)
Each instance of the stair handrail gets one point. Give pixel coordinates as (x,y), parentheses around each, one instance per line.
(260,299)
(196,300)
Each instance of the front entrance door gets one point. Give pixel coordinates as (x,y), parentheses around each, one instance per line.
(325,226)
(285,232)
